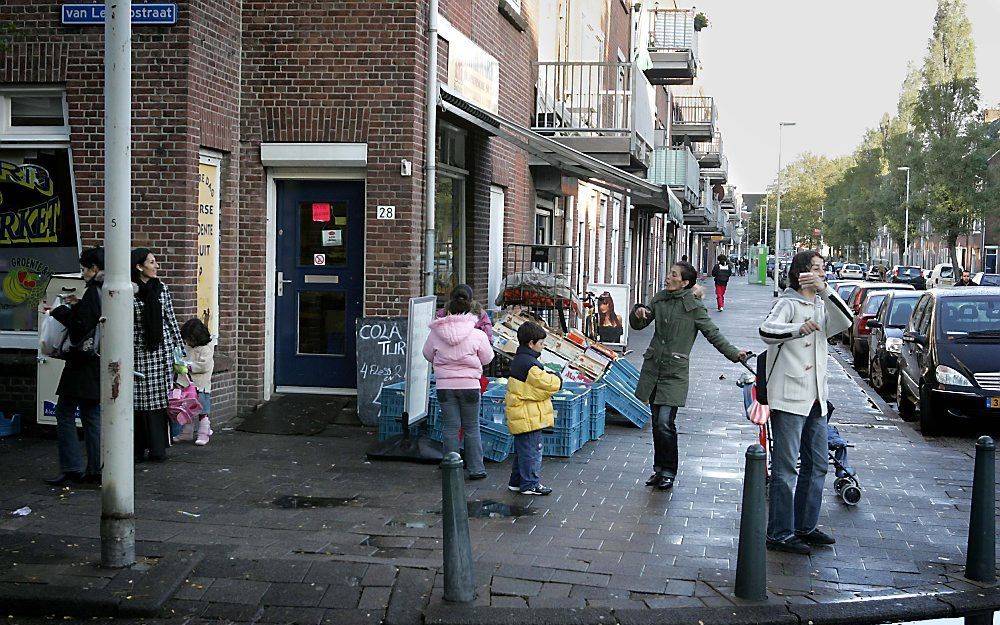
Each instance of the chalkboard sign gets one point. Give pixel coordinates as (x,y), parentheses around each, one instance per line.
(381,345)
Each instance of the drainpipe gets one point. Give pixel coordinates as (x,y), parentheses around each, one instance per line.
(430,149)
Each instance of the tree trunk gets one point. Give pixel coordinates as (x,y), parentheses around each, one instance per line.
(952,243)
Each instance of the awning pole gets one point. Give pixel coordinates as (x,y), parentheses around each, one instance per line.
(430,151)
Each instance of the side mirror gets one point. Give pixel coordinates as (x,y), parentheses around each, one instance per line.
(874,324)
(914,337)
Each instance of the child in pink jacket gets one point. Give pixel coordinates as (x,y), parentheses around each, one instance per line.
(458,351)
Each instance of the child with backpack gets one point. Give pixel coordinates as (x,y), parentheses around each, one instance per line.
(529,409)
(201,355)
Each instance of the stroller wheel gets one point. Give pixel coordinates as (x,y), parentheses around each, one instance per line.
(851,495)
(839,484)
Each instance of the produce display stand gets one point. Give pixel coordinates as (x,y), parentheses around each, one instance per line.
(539,282)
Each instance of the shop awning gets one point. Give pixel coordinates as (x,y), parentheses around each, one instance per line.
(565,158)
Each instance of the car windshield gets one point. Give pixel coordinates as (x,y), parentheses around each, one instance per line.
(970,316)
(900,312)
(947,272)
(911,272)
(851,267)
(845,292)
(873,302)
(990,279)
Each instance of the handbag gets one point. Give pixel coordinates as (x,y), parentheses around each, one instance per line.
(182,403)
(51,337)
(761,383)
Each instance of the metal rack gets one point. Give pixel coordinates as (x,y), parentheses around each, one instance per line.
(539,278)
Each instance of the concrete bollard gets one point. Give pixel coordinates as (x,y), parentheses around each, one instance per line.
(980,558)
(458,583)
(751,559)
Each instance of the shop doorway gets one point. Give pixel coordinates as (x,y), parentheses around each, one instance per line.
(319,284)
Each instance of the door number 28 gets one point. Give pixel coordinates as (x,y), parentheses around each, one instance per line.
(385,212)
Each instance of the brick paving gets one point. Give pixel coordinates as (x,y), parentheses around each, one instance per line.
(601,540)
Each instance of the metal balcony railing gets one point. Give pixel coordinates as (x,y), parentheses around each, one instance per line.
(578,98)
(709,150)
(719,172)
(672,29)
(677,168)
(694,110)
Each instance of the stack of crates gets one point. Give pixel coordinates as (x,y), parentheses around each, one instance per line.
(595,406)
(621,379)
(572,425)
(498,442)
(392,410)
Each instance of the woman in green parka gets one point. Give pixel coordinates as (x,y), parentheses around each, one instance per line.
(663,383)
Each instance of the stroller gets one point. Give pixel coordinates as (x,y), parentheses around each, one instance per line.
(846,483)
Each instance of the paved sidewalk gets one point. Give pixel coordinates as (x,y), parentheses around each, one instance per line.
(602,541)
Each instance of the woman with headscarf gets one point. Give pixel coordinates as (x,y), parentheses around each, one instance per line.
(156,334)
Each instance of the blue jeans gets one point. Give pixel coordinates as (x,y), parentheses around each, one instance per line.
(460,407)
(801,438)
(69,447)
(526,463)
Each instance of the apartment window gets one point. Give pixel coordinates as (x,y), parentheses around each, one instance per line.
(38,224)
(990,258)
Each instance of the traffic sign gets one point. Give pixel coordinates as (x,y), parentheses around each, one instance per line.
(80,14)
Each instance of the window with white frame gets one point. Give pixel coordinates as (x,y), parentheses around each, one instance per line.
(38,225)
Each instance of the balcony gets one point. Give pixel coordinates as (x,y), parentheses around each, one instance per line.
(604,110)
(693,118)
(702,216)
(677,168)
(720,174)
(672,48)
(709,153)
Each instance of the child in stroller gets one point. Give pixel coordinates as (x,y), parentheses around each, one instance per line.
(846,483)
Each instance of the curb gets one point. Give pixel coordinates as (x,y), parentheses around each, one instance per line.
(131,593)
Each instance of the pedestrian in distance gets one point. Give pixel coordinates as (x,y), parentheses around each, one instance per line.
(722,272)
(458,351)
(529,409)
(155,335)
(796,330)
(965,280)
(201,356)
(679,316)
(80,383)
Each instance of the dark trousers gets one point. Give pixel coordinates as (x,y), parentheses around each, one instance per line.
(151,431)
(665,440)
(526,462)
(69,446)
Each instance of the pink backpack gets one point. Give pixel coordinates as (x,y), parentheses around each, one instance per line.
(183,404)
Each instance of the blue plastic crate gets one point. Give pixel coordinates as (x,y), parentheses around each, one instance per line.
(564,442)
(10,426)
(497,441)
(389,426)
(626,404)
(492,407)
(569,410)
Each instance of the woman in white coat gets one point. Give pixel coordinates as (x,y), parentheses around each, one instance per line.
(796,330)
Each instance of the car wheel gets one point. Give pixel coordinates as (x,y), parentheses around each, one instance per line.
(930,420)
(903,403)
(875,372)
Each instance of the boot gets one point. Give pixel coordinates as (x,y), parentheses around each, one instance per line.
(204,431)
(187,433)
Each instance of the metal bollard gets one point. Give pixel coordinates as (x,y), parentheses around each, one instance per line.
(980,559)
(458,583)
(751,559)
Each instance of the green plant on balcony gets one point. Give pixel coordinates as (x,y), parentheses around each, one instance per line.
(700,21)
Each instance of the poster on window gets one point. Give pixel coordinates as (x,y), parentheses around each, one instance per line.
(38,232)
(208,242)
(611,307)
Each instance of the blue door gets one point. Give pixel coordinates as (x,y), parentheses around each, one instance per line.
(320,267)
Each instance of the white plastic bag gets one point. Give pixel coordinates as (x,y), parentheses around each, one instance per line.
(51,337)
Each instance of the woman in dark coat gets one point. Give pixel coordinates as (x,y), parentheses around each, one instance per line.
(156,334)
(663,381)
(80,383)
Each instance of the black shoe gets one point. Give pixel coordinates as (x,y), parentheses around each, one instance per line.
(790,545)
(653,479)
(477,476)
(63,478)
(665,483)
(817,537)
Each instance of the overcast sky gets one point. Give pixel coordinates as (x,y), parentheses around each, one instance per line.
(832,67)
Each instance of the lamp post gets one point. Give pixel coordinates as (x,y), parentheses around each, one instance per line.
(777,217)
(906,227)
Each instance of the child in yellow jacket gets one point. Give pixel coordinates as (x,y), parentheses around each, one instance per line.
(529,409)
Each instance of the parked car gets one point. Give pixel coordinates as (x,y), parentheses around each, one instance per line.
(886,338)
(908,275)
(844,288)
(949,366)
(851,271)
(783,274)
(860,330)
(874,273)
(942,275)
(986,279)
(858,298)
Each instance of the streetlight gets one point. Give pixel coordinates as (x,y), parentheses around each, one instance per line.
(777,217)
(906,227)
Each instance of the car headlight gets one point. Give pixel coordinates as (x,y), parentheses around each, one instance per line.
(894,345)
(947,375)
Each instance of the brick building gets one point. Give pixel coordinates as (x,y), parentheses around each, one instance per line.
(278,165)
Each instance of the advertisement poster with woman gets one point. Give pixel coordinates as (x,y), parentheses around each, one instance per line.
(611,302)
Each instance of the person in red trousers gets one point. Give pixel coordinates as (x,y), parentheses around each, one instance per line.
(721,272)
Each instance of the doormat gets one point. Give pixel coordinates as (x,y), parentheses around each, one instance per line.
(303,415)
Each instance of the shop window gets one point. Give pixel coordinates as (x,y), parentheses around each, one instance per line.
(449,240)
(38,224)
